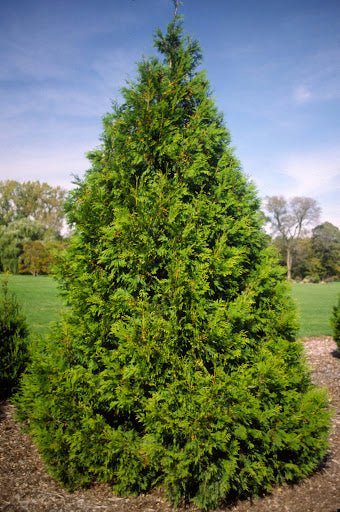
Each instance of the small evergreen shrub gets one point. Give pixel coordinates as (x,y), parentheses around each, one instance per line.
(335,323)
(177,365)
(13,342)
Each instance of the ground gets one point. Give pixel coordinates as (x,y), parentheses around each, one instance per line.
(26,486)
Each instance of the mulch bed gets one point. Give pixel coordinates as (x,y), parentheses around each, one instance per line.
(26,486)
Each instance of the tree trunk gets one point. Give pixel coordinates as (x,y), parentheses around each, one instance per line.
(289,264)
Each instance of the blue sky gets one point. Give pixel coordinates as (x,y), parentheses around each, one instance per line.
(274,69)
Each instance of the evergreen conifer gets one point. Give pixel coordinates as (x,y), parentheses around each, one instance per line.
(178,364)
(335,322)
(14,354)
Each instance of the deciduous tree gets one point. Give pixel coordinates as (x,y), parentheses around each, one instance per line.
(39,257)
(34,258)
(32,200)
(306,264)
(289,219)
(325,243)
(13,238)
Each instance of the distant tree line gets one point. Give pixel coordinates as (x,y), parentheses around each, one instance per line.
(309,253)
(31,226)
(32,221)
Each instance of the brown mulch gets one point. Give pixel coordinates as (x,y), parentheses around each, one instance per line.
(26,486)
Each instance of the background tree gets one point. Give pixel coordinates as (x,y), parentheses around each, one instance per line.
(325,242)
(29,211)
(39,257)
(306,264)
(7,192)
(288,221)
(13,238)
(32,200)
(316,257)
(35,259)
(177,364)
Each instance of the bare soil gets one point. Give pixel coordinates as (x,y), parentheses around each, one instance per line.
(25,484)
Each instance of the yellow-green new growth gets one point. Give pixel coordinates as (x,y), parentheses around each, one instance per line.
(177,365)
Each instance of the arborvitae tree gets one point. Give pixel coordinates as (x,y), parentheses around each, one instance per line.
(178,364)
(335,322)
(13,341)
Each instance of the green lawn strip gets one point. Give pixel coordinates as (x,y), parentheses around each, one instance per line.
(315,302)
(40,300)
(42,304)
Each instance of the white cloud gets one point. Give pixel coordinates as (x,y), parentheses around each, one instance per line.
(302,94)
(319,77)
(313,173)
(114,67)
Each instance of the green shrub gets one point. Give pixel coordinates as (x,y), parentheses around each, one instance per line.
(177,364)
(13,342)
(335,323)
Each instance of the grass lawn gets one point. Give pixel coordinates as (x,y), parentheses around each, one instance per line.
(42,304)
(315,302)
(39,298)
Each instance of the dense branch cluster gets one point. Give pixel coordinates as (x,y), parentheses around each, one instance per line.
(176,364)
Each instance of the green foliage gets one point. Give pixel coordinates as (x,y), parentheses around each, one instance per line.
(325,243)
(288,220)
(306,264)
(13,239)
(315,258)
(13,342)
(32,200)
(30,213)
(335,322)
(177,364)
(40,257)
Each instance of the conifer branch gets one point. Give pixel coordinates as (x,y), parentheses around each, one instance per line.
(176,8)
(176,3)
